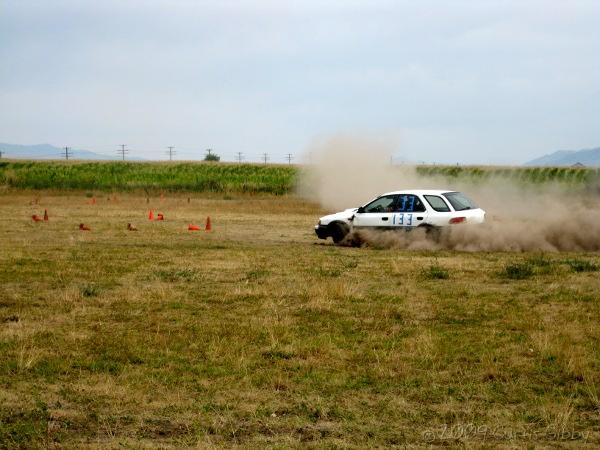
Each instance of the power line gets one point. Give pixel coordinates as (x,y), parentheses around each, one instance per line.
(67,153)
(170,152)
(239,156)
(123,151)
(265,157)
(289,158)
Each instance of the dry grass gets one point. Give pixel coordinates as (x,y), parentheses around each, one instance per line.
(260,335)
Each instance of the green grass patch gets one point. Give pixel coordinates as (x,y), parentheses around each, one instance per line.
(582,265)
(90,290)
(435,272)
(518,271)
(24,428)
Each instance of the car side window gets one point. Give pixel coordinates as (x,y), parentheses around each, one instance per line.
(437,203)
(409,203)
(381,204)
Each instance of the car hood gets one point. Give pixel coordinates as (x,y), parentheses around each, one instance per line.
(343,216)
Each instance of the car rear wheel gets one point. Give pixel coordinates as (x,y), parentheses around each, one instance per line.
(338,231)
(432,232)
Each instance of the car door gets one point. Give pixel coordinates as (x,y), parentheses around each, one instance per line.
(441,212)
(377,214)
(409,212)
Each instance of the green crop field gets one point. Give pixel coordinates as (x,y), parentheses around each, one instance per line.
(257,335)
(575,176)
(240,178)
(153,177)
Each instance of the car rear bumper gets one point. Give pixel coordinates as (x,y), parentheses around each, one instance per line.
(322,231)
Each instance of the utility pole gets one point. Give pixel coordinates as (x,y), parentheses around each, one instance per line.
(67,153)
(123,151)
(170,152)
(239,157)
(265,157)
(289,158)
(209,152)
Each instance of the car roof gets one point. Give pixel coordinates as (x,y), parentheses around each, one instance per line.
(420,192)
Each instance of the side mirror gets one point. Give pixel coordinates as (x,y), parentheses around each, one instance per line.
(360,210)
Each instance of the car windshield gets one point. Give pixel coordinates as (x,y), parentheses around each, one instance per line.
(459,201)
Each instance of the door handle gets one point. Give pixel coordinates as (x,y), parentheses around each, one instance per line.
(419,218)
(384,218)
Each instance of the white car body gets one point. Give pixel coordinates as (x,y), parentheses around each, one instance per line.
(403,210)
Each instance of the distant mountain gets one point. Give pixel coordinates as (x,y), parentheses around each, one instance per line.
(587,157)
(47,151)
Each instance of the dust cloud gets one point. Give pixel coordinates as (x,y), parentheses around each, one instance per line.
(347,172)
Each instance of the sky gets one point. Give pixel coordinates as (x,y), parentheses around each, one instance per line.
(480,82)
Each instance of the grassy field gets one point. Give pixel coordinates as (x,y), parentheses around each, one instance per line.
(259,335)
(243,178)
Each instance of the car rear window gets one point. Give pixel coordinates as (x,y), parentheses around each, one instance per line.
(437,203)
(460,201)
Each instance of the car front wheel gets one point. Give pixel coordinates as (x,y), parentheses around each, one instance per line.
(339,232)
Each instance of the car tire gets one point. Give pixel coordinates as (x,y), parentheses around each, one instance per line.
(338,231)
(432,232)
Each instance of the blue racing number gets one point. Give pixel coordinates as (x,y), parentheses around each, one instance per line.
(398,219)
(408,203)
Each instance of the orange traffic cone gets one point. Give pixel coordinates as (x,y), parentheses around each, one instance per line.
(83,227)
(151,215)
(46,215)
(208,224)
(159,216)
(193,227)
(131,227)
(36,218)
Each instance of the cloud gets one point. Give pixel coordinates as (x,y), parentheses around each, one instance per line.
(486,81)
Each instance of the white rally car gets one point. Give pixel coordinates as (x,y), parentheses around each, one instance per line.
(403,210)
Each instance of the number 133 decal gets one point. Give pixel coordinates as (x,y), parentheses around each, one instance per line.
(403,220)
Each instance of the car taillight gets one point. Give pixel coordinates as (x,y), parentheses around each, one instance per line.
(458,220)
